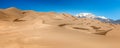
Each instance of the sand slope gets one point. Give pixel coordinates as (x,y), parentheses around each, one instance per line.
(30,29)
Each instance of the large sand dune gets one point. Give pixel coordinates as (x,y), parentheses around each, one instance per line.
(30,29)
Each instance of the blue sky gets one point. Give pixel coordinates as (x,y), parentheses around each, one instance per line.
(107,8)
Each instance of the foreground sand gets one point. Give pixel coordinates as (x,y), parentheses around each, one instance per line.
(29,29)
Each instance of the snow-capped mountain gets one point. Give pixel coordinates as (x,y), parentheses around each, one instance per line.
(92,16)
(89,15)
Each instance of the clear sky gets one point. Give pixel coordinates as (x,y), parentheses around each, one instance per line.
(107,8)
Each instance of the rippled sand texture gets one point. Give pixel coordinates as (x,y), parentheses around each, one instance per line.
(30,29)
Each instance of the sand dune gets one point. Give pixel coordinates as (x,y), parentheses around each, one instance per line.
(30,29)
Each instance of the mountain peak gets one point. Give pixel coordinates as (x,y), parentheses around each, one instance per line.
(86,15)
(89,15)
(92,16)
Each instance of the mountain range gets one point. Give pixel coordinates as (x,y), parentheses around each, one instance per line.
(101,18)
